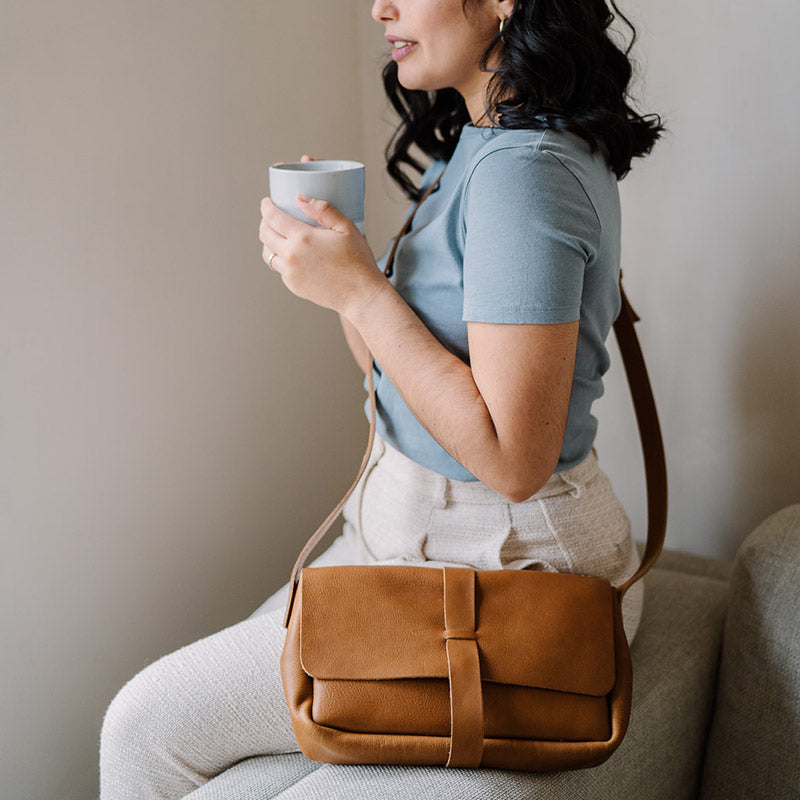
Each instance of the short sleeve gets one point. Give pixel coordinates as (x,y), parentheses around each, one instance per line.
(530,230)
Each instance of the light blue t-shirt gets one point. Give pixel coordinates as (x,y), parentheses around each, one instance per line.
(524,228)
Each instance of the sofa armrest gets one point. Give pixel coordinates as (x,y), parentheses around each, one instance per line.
(690,564)
(755,735)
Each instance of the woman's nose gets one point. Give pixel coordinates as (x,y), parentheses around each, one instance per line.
(384,11)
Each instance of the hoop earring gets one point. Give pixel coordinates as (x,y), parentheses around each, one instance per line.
(502,25)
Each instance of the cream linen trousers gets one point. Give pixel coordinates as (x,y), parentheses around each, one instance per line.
(197,711)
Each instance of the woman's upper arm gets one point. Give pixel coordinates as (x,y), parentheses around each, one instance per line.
(524,373)
(530,232)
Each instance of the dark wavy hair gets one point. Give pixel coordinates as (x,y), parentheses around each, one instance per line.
(558,69)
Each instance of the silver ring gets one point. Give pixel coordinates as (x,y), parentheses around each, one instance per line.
(269,263)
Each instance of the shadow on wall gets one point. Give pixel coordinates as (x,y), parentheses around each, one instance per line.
(765,391)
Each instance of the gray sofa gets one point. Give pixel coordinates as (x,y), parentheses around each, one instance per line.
(716,702)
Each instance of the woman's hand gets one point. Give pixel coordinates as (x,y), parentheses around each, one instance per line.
(331,266)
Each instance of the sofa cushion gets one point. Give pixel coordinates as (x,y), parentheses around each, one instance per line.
(675,656)
(691,564)
(754,746)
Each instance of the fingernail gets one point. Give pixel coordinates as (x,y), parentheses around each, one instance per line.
(303,198)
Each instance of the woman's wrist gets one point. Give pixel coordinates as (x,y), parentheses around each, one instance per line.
(358,305)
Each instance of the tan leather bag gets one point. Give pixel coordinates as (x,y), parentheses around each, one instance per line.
(513,669)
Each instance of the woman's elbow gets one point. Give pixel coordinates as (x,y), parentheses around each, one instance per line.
(524,485)
(520,495)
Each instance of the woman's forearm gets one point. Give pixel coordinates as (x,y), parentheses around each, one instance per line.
(436,385)
(355,343)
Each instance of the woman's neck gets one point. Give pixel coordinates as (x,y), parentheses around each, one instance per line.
(483,121)
(475,100)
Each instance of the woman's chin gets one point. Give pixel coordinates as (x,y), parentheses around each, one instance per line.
(416,83)
(411,84)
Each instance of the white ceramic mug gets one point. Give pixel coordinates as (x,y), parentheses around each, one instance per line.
(341,183)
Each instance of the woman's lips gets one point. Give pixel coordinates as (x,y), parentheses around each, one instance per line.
(401,48)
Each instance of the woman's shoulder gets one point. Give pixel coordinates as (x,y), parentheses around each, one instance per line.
(519,149)
(545,158)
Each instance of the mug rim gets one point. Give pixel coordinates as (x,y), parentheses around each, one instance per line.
(319,166)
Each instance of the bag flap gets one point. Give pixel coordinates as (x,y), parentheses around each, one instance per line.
(536,629)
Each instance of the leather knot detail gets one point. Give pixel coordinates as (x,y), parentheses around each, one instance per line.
(460,633)
(463,668)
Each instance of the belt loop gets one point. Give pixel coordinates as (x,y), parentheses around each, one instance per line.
(578,476)
(443,493)
(574,487)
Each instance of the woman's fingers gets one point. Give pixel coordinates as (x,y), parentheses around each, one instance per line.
(269,257)
(272,241)
(323,212)
(269,237)
(304,159)
(282,223)
(273,256)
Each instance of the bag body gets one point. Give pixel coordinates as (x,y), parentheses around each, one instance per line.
(513,669)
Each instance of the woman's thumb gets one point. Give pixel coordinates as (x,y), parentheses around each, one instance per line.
(323,212)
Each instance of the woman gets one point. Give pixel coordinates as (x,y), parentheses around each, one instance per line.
(489,346)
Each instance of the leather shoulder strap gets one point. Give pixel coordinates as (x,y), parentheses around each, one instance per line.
(647,418)
(655,465)
(331,518)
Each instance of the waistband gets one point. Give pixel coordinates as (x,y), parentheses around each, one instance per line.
(442,490)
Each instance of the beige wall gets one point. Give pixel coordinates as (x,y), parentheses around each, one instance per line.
(711,250)
(173,423)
